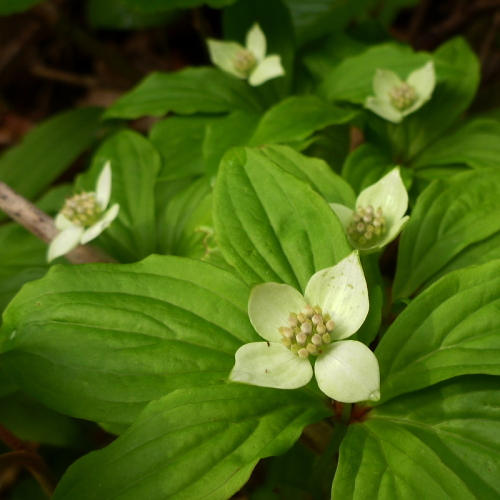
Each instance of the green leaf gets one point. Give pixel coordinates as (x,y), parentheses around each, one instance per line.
(11,7)
(29,420)
(232,130)
(474,144)
(48,150)
(450,329)
(179,140)
(458,72)
(193,444)
(313,171)
(116,14)
(162,5)
(270,225)
(101,341)
(23,258)
(192,90)
(135,164)
(441,442)
(448,217)
(352,79)
(296,118)
(315,18)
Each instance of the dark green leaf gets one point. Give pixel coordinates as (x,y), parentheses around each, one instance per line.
(101,341)
(48,150)
(439,443)
(192,90)
(450,329)
(270,225)
(448,217)
(296,118)
(162,5)
(193,444)
(13,6)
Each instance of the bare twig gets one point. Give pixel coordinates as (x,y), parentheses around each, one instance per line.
(43,227)
(58,75)
(35,464)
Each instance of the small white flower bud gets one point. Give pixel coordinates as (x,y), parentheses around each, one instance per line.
(286,342)
(369,209)
(303,353)
(311,348)
(318,310)
(321,328)
(356,218)
(306,328)
(368,235)
(316,339)
(326,338)
(294,348)
(301,317)
(317,319)
(360,227)
(301,338)
(308,311)
(288,333)
(292,321)
(367,218)
(330,325)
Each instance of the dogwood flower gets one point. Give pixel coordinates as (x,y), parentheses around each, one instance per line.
(379,214)
(83,217)
(395,99)
(300,329)
(249,61)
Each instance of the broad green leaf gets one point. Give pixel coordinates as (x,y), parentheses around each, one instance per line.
(101,341)
(48,150)
(296,118)
(352,79)
(12,6)
(270,225)
(29,420)
(116,14)
(442,442)
(179,140)
(23,258)
(314,18)
(474,144)
(192,90)
(135,164)
(448,217)
(193,444)
(365,166)
(458,72)
(230,131)
(313,171)
(162,5)
(276,23)
(7,385)
(451,329)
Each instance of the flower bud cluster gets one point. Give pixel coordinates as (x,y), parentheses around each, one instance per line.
(307,331)
(367,226)
(244,62)
(82,209)
(402,96)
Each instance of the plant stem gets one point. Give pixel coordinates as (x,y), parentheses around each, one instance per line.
(42,226)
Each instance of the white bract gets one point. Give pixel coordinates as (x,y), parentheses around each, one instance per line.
(84,217)
(300,329)
(379,214)
(395,99)
(247,62)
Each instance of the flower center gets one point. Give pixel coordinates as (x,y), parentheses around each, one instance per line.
(402,96)
(244,62)
(307,331)
(82,209)
(367,226)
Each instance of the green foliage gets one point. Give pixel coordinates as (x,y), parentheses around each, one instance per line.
(11,7)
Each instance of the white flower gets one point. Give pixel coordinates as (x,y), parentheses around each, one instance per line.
(299,329)
(247,62)
(379,215)
(83,217)
(394,99)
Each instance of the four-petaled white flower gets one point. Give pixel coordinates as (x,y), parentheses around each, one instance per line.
(379,214)
(247,62)
(298,329)
(394,99)
(83,217)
